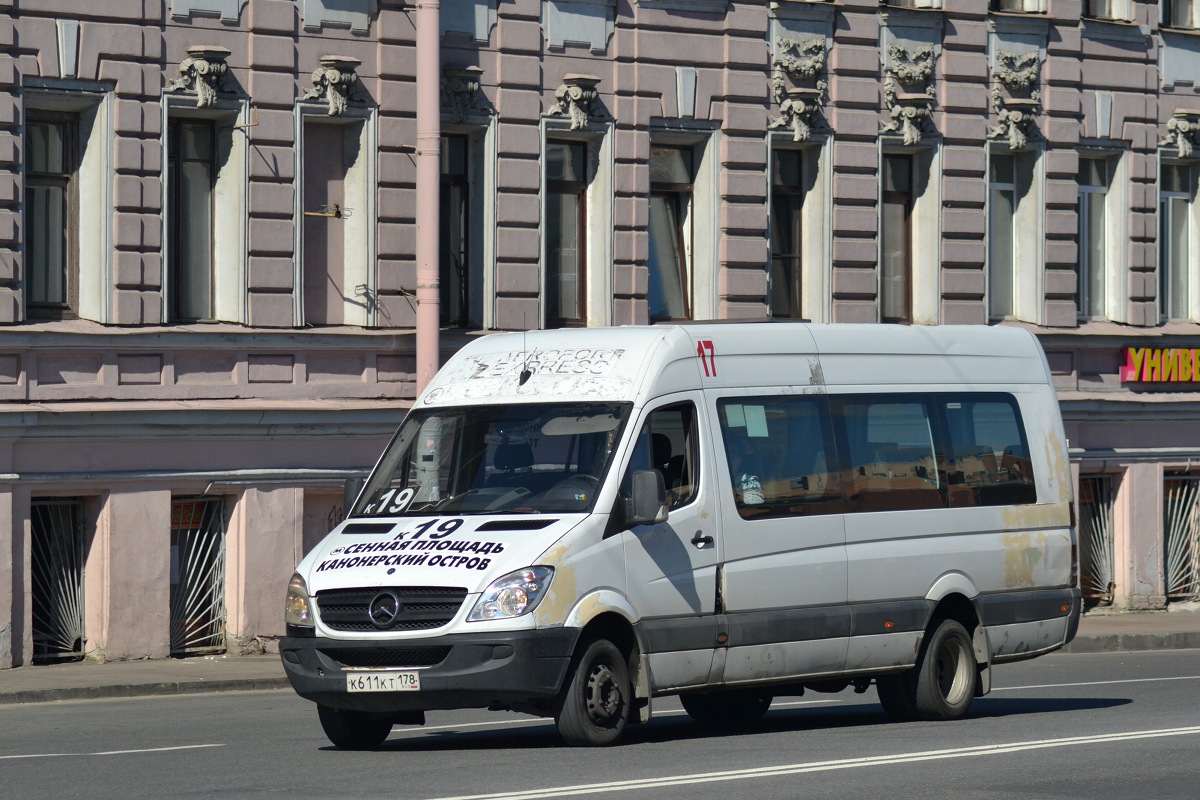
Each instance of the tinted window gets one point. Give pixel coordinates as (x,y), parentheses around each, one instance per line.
(796,456)
(891,458)
(988,460)
(780,456)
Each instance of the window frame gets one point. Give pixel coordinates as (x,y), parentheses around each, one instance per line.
(460,182)
(360,271)
(175,279)
(67,182)
(579,189)
(905,200)
(680,199)
(1175,278)
(789,268)
(1110,243)
(1171,16)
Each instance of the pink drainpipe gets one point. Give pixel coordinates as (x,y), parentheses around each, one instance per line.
(429,152)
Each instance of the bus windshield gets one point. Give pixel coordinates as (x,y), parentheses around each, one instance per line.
(502,459)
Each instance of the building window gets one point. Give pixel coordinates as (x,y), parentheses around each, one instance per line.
(337,268)
(325,207)
(1174,244)
(1002,208)
(191,177)
(1015,254)
(1180,13)
(455,259)
(566,233)
(51,209)
(1019,6)
(895,233)
(1119,10)
(1094,181)
(787,213)
(671,185)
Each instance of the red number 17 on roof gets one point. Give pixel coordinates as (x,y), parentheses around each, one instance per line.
(707,353)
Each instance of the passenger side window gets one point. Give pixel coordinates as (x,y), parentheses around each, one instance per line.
(780,455)
(891,458)
(988,463)
(668,442)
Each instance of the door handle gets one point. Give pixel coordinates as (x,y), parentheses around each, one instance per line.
(701,541)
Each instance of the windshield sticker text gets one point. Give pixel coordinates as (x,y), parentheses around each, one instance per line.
(392,553)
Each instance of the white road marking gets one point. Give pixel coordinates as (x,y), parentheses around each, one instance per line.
(1095,683)
(114,752)
(823,766)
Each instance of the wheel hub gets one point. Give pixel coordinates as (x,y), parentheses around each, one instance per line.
(603,694)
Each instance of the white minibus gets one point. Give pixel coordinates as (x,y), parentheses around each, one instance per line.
(575,523)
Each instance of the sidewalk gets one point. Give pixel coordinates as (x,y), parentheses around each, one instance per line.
(1098,632)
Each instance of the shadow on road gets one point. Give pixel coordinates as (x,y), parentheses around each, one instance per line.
(542,735)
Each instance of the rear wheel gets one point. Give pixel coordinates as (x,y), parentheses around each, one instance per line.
(942,684)
(735,708)
(896,696)
(353,730)
(594,707)
(947,673)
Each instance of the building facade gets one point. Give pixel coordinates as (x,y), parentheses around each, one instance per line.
(208,249)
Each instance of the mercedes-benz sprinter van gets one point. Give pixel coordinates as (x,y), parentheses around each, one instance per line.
(573,523)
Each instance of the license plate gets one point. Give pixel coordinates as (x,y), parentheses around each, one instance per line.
(383,682)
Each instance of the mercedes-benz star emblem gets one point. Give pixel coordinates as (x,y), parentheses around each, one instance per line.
(384,609)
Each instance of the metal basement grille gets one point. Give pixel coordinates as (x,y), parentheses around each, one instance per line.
(56,565)
(423,607)
(411,657)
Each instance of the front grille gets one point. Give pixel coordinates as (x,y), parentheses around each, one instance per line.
(411,657)
(422,607)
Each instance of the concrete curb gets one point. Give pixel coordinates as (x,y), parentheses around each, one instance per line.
(142,690)
(1132,642)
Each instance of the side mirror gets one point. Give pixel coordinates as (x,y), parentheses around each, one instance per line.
(648,505)
(351,489)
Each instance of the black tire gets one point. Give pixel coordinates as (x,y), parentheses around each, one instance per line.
(946,674)
(353,730)
(735,708)
(896,695)
(942,684)
(594,707)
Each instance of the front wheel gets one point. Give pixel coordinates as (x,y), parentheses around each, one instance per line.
(594,708)
(353,730)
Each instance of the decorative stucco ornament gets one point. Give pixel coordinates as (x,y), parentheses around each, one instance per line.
(460,91)
(576,96)
(203,71)
(1182,128)
(798,105)
(1015,75)
(910,111)
(799,110)
(335,82)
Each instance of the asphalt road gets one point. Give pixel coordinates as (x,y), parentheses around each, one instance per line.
(1106,725)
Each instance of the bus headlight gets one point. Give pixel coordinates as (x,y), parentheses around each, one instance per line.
(512,595)
(297,609)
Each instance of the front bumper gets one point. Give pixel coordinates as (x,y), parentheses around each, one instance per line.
(510,669)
